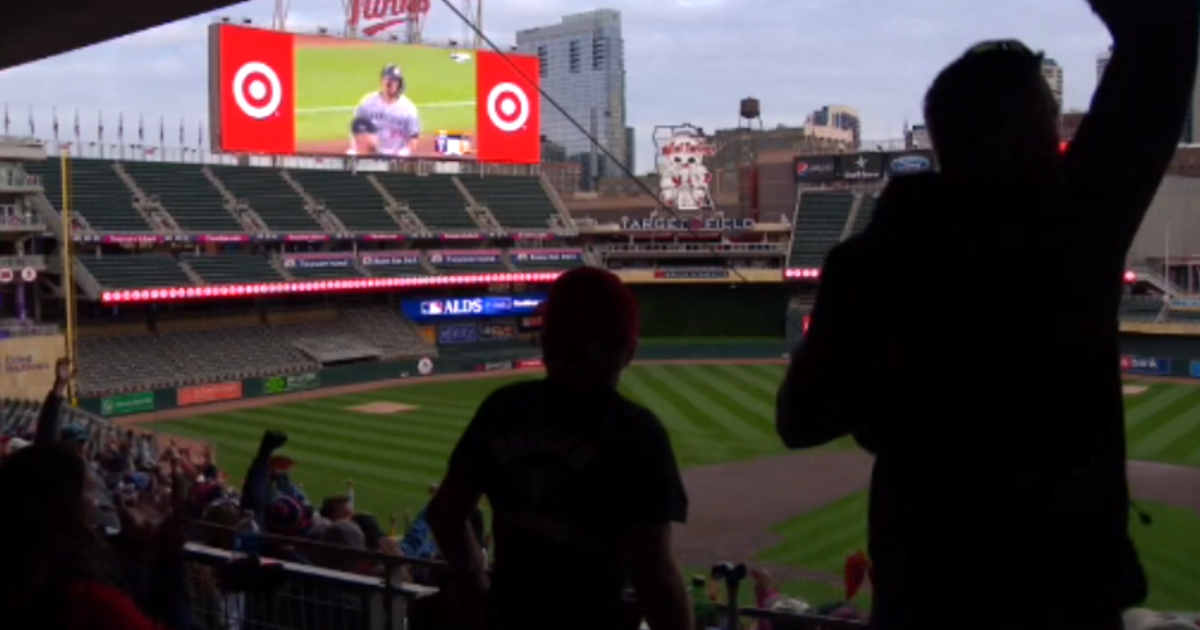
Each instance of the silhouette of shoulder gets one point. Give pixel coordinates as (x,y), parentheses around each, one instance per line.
(525,397)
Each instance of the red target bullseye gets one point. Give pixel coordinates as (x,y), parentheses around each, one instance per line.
(257,90)
(508,107)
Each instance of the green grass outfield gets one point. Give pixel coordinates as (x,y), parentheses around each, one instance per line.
(714,413)
(331,80)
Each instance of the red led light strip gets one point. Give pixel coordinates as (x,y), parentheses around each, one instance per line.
(1130,277)
(227,291)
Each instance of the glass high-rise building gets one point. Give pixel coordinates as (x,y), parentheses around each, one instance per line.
(583,69)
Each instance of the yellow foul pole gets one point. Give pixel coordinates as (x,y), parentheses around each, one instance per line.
(68,266)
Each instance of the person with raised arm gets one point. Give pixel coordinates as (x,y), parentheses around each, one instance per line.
(968,338)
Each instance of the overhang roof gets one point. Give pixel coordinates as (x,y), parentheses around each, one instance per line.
(31,31)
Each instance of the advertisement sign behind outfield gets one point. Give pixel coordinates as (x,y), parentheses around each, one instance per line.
(494,366)
(815,170)
(291,383)
(496,332)
(457,333)
(280,93)
(203,394)
(1150,366)
(860,167)
(529,364)
(125,404)
(317,262)
(1194,368)
(460,308)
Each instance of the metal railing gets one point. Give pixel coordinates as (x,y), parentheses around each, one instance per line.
(294,596)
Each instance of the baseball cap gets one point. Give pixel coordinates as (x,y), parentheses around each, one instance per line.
(391,71)
(74,434)
(362,125)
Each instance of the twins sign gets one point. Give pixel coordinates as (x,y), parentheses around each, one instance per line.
(271,93)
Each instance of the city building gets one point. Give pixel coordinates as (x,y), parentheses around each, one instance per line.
(583,70)
(1053,73)
(838,117)
(917,137)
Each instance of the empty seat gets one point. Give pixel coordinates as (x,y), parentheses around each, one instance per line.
(97,193)
(819,224)
(136,271)
(351,197)
(517,202)
(187,194)
(270,196)
(233,268)
(433,198)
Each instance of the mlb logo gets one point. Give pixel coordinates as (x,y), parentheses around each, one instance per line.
(432,308)
(289,263)
(435,259)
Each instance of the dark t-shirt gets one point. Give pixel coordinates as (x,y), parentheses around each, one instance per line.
(564,473)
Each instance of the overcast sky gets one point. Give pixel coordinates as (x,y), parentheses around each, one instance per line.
(687,60)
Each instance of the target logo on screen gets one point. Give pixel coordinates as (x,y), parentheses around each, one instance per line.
(509,118)
(257,90)
(508,107)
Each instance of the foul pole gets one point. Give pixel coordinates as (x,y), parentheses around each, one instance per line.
(68,267)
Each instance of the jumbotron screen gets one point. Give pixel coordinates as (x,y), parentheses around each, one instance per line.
(280,93)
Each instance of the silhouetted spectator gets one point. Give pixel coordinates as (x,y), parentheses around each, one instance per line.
(583,483)
(998,430)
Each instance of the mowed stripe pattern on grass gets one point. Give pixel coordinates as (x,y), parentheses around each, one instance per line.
(821,540)
(714,413)
(1163,424)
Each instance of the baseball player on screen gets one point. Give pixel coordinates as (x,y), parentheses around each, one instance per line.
(397,125)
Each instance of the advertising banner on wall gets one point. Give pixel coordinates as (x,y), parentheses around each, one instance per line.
(909,163)
(451,308)
(317,261)
(390,259)
(27,363)
(289,94)
(211,393)
(815,169)
(547,255)
(1149,366)
(125,404)
(457,334)
(861,167)
(291,383)
(497,332)
(464,257)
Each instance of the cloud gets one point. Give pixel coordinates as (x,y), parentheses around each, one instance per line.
(686,60)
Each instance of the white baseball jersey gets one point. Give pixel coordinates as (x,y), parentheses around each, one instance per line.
(395,123)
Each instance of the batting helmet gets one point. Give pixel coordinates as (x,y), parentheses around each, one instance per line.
(391,71)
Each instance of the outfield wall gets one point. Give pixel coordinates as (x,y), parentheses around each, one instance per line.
(1160,355)
(501,359)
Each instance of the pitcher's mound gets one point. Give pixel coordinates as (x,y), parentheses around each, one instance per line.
(1133,390)
(383,408)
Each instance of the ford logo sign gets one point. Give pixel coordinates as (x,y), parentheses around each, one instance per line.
(911,164)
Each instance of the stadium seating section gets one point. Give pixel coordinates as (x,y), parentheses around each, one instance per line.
(350,196)
(516,202)
(820,223)
(137,362)
(138,271)
(270,196)
(434,198)
(187,194)
(97,193)
(233,268)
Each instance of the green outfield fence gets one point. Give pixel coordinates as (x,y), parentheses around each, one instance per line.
(449,362)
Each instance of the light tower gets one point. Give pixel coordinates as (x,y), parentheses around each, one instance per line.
(473,11)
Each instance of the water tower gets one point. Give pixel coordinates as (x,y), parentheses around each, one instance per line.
(750,113)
